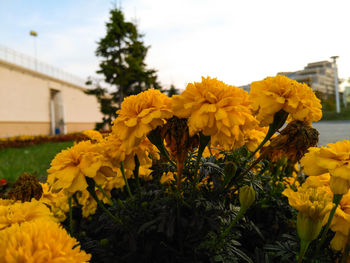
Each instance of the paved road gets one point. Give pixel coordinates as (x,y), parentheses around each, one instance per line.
(332,131)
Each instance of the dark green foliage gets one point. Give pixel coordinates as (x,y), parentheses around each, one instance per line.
(162,224)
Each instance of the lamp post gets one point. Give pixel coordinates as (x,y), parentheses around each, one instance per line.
(34,35)
(336,83)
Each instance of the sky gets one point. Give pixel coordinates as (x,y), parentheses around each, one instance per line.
(235,41)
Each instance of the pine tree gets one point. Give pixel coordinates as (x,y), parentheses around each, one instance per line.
(122,54)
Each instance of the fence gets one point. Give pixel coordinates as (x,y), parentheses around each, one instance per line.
(20,59)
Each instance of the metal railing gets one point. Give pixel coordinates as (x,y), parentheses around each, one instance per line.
(11,56)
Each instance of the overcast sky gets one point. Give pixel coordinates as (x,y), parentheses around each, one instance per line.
(236,41)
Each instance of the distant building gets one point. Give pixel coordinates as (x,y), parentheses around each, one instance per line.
(37,99)
(317,75)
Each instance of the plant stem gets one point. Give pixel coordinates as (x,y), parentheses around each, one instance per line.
(303,248)
(125,179)
(91,190)
(70,216)
(104,193)
(336,201)
(203,142)
(136,173)
(234,222)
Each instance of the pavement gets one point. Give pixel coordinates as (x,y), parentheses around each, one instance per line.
(332,131)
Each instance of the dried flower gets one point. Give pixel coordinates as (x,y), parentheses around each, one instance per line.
(25,188)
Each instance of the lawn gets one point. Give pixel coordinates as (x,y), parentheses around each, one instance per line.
(33,159)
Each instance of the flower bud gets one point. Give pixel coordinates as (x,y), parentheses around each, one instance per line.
(246,196)
(339,186)
(308,228)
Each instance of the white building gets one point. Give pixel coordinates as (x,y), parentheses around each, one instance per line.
(38,99)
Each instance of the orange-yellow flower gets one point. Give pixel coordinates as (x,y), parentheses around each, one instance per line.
(18,213)
(57,202)
(140,114)
(313,204)
(341,223)
(217,110)
(273,94)
(333,159)
(39,241)
(69,167)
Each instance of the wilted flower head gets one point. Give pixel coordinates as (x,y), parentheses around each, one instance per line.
(25,188)
(333,159)
(292,142)
(140,114)
(18,213)
(217,110)
(273,94)
(39,241)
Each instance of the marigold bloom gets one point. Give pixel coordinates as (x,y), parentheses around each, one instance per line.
(39,241)
(217,110)
(69,167)
(333,159)
(93,135)
(273,94)
(167,178)
(254,137)
(140,114)
(114,150)
(313,204)
(341,223)
(57,202)
(18,213)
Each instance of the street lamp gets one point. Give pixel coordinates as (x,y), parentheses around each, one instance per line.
(336,83)
(34,35)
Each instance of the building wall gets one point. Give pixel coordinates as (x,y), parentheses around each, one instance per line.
(25,103)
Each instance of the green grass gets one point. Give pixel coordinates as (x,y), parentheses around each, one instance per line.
(34,160)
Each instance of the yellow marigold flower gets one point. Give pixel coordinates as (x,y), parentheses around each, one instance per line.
(57,202)
(115,151)
(140,114)
(341,223)
(88,203)
(6,202)
(93,135)
(313,204)
(216,151)
(69,167)
(39,241)
(18,213)
(338,242)
(273,94)
(254,137)
(167,178)
(317,181)
(333,159)
(217,110)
